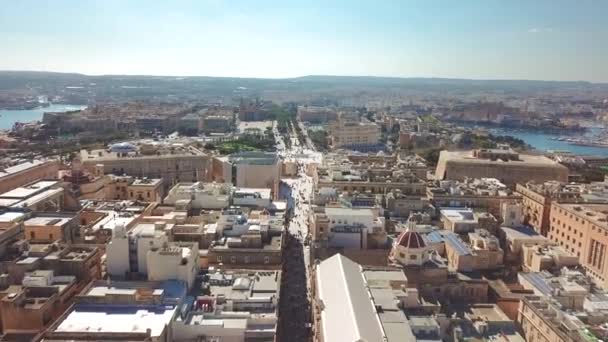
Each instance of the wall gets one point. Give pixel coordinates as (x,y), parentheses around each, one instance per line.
(46,170)
(117,256)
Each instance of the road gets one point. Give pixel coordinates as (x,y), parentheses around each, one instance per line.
(295,306)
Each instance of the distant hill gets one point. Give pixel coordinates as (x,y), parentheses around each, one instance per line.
(89,88)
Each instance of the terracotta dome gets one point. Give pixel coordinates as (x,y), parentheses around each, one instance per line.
(411,239)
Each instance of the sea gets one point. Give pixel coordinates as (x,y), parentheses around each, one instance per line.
(8,117)
(549,142)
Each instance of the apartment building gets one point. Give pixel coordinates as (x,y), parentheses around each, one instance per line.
(537,199)
(171,163)
(582,229)
(354,134)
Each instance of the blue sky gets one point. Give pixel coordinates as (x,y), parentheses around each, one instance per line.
(485,39)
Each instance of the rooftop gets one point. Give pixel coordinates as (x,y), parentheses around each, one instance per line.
(11,170)
(48,221)
(113,318)
(467,157)
(29,190)
(458,214)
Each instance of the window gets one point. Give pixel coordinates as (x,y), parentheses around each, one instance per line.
(219,258)
(401,255)
(246,258)
(266,260)
(233,259)
(413,257)
(32,235)
(51,236)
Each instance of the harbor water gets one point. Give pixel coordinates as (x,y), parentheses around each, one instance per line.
(8,117)
(549,142)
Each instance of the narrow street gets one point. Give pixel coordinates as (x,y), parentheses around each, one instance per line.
(295,305)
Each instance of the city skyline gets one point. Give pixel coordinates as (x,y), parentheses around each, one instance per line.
(474,40)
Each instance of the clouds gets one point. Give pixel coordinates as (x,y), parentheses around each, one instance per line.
(540,30)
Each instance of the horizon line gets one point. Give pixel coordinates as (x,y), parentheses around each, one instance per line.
(312,75)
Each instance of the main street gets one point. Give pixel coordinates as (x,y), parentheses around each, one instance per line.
(295,306)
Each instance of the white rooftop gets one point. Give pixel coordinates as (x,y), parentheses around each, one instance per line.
(348,212)
(11,216)
(27,191)
(459,214)
(47,221)
(348,312)
(20,167)
(116,320)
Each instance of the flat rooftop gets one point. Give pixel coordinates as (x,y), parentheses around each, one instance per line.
(596,213)
(146,182)
(20,167)
(264,192)
(458,214)
(348,212)
(117,318)
(488,312)
(11,216)
(467,157)
(47,221)
(112,220)
(28,191)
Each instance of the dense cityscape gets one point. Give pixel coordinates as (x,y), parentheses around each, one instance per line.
(247,219)
(303,171)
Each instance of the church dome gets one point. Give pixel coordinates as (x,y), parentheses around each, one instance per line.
(411,239)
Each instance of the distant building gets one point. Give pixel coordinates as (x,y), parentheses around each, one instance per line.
(255,110)
(172,164)
(354,134)
(316,115)
(504,164)
(217,124)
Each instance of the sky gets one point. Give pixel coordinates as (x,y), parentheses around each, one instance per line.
(479,39)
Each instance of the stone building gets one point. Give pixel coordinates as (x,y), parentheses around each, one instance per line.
(18,175)
(582,230)
(504,164)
